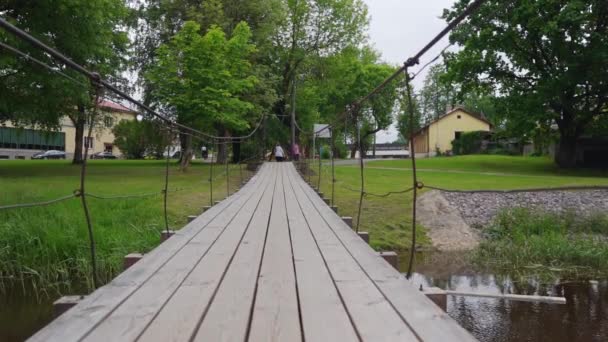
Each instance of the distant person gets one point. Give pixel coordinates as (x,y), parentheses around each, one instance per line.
(204,152)
(279,154)
(295,152)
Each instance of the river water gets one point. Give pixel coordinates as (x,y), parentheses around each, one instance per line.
(583,318)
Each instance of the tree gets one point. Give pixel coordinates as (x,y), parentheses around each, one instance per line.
(403,118)
(202,80)
(311,29)
(547,58)
(91,33)
(436,96)
(138,139)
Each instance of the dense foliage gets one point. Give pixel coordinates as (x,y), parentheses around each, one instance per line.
(91,33)
(545,60)
(139,139)
(468,143)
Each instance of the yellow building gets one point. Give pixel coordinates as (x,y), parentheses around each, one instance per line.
(437,136)
(22,143)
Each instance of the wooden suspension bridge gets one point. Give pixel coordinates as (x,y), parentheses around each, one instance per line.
(272,262)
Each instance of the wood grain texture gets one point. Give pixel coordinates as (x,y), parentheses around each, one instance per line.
(228,315)
(427,320)
(123,325)
(275,311)
(371,312)
(324,317)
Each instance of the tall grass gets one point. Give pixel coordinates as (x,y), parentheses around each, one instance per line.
(521,238)
(47,248)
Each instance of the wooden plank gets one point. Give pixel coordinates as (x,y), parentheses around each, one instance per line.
(180,317)
(228,316)
(324,317)
(428,321)
(79,320)
(275,310)
(372,314)
(146,302)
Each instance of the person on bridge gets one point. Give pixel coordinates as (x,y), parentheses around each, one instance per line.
(279,154)
(204,152)
(295,152)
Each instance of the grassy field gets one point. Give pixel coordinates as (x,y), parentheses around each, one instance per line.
(49,246)
(388,220)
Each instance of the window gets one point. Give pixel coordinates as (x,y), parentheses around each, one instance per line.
(458,116)
(30,139)
(457,135)
(88,142)
(108,147)
(108,121)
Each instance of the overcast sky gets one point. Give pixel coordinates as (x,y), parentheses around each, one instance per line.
(400,28)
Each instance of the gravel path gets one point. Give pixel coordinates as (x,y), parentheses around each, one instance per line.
(478,209)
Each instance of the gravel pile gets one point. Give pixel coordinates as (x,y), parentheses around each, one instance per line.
(478,209)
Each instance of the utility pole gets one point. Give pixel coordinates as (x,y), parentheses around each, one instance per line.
(293,114)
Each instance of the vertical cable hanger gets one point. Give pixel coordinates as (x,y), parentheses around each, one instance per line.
(166,190)
(359,123)
(410,109)
(83,171)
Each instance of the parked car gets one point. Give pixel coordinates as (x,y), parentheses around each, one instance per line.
(50,154)
(103,155)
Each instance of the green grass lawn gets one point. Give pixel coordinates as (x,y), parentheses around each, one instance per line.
(388,220)
(50,245)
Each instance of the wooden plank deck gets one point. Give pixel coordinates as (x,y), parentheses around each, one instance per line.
(272,262)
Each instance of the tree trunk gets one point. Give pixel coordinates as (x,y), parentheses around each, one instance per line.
(565,155)
(186,155)
(236,152)
(79,122)
(353,151)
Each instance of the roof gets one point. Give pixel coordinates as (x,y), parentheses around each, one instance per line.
(479,117)
(115,107)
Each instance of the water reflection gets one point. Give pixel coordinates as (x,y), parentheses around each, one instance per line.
(583,318)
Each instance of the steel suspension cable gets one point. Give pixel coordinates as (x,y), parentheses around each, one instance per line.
(165,191)
(362,194)
(414,176)
(82,191)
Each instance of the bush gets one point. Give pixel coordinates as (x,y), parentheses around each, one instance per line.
(468,143)
(522,237)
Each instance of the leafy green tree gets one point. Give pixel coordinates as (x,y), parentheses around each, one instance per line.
(403,117)
(310,29)
(91,33)
(546,58)
(436,96)
(139,139)
(202,80)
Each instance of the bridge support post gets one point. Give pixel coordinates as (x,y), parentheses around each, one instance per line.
(216,202)
(364,236)
(164,235)
(438,296)
(320,194)
(65,303)
(130,260)
(392,258)
(326,200)
(348,220)
(191,218)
